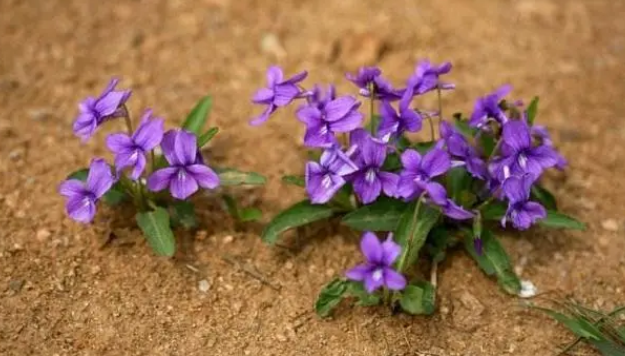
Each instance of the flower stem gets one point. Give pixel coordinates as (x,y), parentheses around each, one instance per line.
(152,161)
(497,146)
(128,121)
(440,104)
(413,225)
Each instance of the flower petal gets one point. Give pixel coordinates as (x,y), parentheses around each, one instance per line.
(284,94)
(390,251)
(373,152)
(319,136)
(358,273)
(436,162)
(204,175)
(515,189)
(367,187)
(182,185)
(437,193)
(264,116)
(348,123)
(456,212)
(297,78)
(100,178)
(309,115)
(372,283)
(160,179)
(80,209)
(263,96)
(85,125)
(106,105)
(394,280)
(71,188)
(274,76)
(516,134)
(389,183)
(371,247)
(339,107)
(411,160)
(119,143)
(139,166)
(185,147)
(149,134)
(167,146)
(320,185)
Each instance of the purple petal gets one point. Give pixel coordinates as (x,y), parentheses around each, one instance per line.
(367,186)
(182,185)
(436,162)
(167,146)
(406,188)
(516,134)
(204,175)
(437,193)
(119,143)
(160,179)
(108,104)
(373,152)
(71,188)
(319,136)
(390,182)
(348,123)
(274,76)
(100,179)
(545,156)
(81,209)
(411,160)
(515,189)
(412,120)
(339,107)
(85,125)
(374,280)
(185,147)
(110,86)
(139,167)
(371,248)
(309,115)
(390,251)
(297,78)
(263,96)
(359,273)
(502,91)
(337,162)
(456,212)
(126,159)
(394,280)
(284,94)
(149,133)
(264,116)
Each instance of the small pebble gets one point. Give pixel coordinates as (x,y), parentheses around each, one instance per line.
(16,284)
(43,234)
(228,239)
(610,225)
(528,289)
(288,265)
(204,286)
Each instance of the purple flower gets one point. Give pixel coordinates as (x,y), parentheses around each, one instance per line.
(543,135)
(519,156)
(378,270)
(82,197)
(393,123)
(130,150)
(325,178)
(319,99)
(487,108)
(371,77)
(456,212)
(417,176)
(426,77)
(185,175)
(278,93)
(94,111)
(521,211)
(459,148)
(323,120)
(369,181)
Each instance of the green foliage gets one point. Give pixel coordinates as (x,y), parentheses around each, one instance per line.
(382,215)
(364,299)
(544,197)
(198,116)
(231,177)
(156,229)
(412,231)
(418,298)
(494,261)
(330,296)
(183,213)
(294,180)
(207,136)
(299,214)
(241,215)
(560,221)
(532,110)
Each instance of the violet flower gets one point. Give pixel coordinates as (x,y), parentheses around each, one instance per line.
(323,120)
(325,178)
(378,270)
(369,78)
(130,151)
(82,197)
(426,77)
(519,156)
(95,111)
(521,211)
(318,98)
(487,108)
(278,93)
(459,147)
(394,124)
(185,175)
(419,172)
(369,181)
(543,135)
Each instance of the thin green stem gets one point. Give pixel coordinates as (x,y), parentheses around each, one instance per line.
(128,121)
(152,161)
(497,146)
(440,104)
(413,226)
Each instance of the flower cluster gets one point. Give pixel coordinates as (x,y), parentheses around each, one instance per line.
(489,161)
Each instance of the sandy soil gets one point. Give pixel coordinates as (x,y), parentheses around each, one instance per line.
(63,293)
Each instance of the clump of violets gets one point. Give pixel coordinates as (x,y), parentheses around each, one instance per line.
(154,169)
(428,195)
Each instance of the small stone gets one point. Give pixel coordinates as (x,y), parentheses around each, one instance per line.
(43,234)
(201,235)
(95,270)
(16,154)
(610,225)
(17,247)
(228,239)
(204,286)
(281,338)
(528,289)
(16,284)
(288,265)
(330,272)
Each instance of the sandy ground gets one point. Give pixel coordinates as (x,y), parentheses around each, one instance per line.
(62,293)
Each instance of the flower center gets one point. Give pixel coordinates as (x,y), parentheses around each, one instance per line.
(506,172)
(326,182)
(134,156)
(377,274)
(522,160)
(182,175)
(323,130)
(370,175)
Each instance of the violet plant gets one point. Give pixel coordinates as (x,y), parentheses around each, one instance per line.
(427,196)
(155,170)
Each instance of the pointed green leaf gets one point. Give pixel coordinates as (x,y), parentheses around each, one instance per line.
(330,296)
(412,231)
(493,211)
(464,128)
(183,213)
(560,221)
(230,177)
(544,197)
(231,206)
(382,215)
(156,229)
(365,299)
(423,147)
(196,119)
(458,181)
(418,298)
(300,214)
(207,136)
(294,180)
(532,110)
(494,261)
(115,195)
(392,162)
(250,214)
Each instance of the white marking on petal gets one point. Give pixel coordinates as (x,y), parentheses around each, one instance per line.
(377,274)
(506,172)
(522,160)
(370,175)
(323,130)
(326,182)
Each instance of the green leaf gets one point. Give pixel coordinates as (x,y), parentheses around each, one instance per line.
(560,221)
(330,296)
(250,214)
(411,233)
(403,142)
(197,117)
(155,227)
(418,298)
(183,213)
(294,180)
(464,128)
(458,181)
(230,177)
(392,163)
(115,196)
(438,240)
(207,136)
(300,214)
(231,206)
(494,261)
(365,299)
(531,111)
(423,147)
(578,326)
(544,197)
(487,143)
(382,215)
(493,211)
(372,126)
